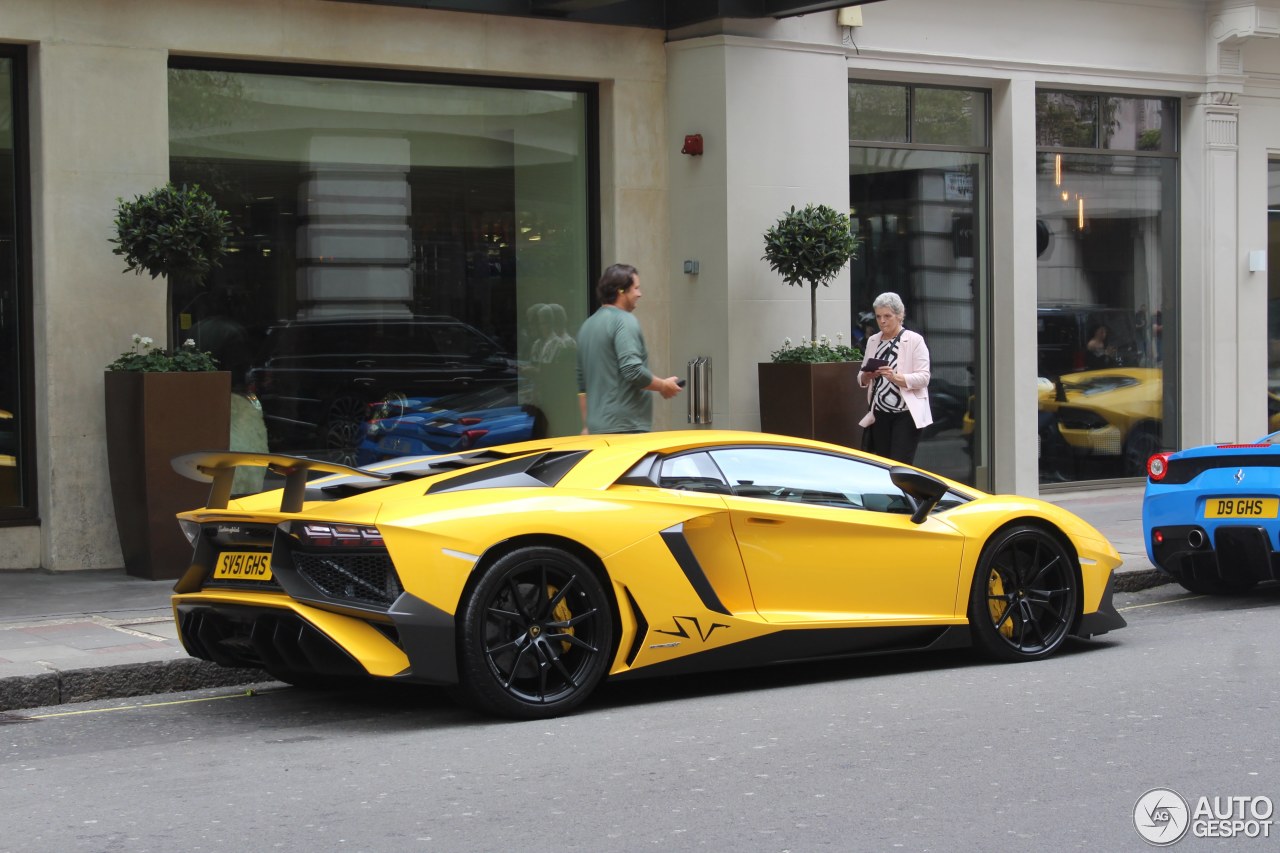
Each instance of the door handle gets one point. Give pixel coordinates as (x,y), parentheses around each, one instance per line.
(756,519)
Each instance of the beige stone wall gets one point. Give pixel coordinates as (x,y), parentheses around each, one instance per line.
(99,131)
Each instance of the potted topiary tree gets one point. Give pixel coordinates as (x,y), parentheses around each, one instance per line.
(811,390)
(162,403)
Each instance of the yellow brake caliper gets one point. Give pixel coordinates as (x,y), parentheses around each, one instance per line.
(997,605)
(562,613)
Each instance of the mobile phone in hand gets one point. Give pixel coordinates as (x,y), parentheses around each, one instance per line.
(682,382)
(873,364)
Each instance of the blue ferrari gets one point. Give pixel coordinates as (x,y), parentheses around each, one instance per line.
(1211,515)
(416,426)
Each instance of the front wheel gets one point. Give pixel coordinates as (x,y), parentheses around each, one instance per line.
(345,417)
(536,632)
(1141,446)
(1024,595)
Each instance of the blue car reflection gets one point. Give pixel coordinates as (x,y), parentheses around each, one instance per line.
(417,426)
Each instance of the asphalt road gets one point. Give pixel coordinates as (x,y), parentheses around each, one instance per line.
(927,752)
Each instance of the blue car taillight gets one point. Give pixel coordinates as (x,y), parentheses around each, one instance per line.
(471,436)
(1158,466)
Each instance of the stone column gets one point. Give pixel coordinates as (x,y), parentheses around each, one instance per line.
(354,245)
(1211,350)
(1220,311)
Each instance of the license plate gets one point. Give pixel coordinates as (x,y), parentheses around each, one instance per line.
(1241,507)
(243,566)
(391,444)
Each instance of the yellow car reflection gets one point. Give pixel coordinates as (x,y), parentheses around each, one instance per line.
(1111,412)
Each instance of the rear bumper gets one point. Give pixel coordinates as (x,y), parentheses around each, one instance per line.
(415,644)
(1233,553)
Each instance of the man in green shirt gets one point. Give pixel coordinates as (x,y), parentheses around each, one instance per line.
(613,364)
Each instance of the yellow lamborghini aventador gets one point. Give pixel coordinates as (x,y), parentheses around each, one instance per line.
(521,576)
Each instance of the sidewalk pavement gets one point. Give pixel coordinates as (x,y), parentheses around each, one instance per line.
(78,636)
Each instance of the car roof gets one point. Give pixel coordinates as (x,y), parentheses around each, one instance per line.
(369,321)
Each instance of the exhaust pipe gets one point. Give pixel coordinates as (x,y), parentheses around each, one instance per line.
(1196,538)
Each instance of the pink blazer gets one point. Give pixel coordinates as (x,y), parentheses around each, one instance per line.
(913,363)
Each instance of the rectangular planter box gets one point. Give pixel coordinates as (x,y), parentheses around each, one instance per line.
(819,401)
(151,418)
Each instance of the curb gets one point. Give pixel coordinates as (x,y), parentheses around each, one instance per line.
(120,681)
(1139,580)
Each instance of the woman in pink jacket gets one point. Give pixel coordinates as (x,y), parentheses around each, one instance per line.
(895,372)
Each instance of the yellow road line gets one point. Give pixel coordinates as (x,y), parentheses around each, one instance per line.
(244,695)
(1159,603)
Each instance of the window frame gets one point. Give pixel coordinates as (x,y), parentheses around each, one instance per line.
(1170,361)
(26,514)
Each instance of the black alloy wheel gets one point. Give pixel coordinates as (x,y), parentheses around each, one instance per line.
(536,635)
(1025,595)
(344,417)
(1141,446)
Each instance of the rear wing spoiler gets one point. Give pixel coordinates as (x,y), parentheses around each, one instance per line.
(219,467)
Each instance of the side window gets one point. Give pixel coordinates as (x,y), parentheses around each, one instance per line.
(459,340)
(693,472)
(810,477)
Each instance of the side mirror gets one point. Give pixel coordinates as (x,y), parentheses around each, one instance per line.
(922,490)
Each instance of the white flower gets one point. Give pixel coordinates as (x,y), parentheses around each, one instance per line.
(189,342)
(146,342)
(137,338)
(786,343)
(839,339)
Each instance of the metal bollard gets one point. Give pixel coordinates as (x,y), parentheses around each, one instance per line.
(700,390)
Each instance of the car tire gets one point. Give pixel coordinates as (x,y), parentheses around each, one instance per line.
(1141,446)
(1025,595)
(535,635)
(344,417)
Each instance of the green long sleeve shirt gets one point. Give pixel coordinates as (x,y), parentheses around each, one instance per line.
(613,371)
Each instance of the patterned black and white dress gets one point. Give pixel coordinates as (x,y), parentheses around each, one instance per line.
(887,396)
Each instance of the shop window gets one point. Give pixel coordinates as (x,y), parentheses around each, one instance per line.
(919,170)
(1107,213)
(1273,295)
(17,498)
(401,244)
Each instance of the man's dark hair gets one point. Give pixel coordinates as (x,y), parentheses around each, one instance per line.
(615,280)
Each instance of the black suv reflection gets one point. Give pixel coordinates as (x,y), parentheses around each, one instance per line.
(1064,332)
(317,378)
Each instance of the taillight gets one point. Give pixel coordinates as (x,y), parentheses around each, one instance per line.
(469,421)
(471,436)
(190,529)
(1158,466)
(339,535)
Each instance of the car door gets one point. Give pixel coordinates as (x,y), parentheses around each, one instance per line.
(829,537)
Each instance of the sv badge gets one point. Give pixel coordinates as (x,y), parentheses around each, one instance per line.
(680,630)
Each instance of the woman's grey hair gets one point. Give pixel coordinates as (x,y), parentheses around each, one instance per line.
(892,301)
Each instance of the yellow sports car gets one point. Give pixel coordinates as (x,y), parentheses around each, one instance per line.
(520,576)
(1111,412)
